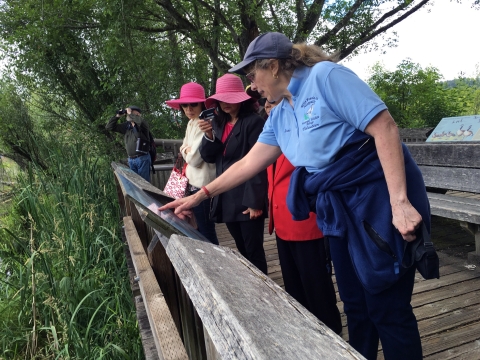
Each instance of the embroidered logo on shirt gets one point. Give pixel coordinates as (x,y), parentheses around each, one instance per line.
(309,101)
(308,114)
(310,120)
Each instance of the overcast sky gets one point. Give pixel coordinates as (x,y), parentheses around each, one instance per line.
(446,37)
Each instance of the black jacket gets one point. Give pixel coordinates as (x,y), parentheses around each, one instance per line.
(228,207)
(129,133)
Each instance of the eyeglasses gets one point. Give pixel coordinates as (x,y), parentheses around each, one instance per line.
(251,76)
(190,104)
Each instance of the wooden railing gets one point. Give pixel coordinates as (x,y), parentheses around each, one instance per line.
(208,302)
(414,135)
(171,147)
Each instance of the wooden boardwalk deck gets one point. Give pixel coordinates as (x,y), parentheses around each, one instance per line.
(447,309)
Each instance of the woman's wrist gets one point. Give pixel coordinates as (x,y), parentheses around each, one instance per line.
(398,201)
(206,192)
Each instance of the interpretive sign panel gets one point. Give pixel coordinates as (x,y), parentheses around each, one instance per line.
(150,199)
(459,128)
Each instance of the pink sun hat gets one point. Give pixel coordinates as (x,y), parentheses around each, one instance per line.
(229,89)
(189,93)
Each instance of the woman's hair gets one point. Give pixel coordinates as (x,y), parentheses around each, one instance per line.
(183,112)
(246,108)
(301,55)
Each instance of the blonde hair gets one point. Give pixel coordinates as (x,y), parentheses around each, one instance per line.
(301,55)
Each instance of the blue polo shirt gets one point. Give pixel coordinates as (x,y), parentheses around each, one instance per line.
(329,103)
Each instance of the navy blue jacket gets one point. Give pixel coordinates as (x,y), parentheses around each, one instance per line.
(351,201)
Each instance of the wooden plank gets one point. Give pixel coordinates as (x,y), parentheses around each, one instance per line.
(414,135)
(451,314)
(164,273)
(469,351)
(462,179)
(450,339)
(170,145)
(137,218)
(167,340)
(454,207)
(247,315)
(120,196)
(131,269)
(212,353)
(148,341)
(458,155)
(445,306)
(445,292)
(445,280)
(190,331)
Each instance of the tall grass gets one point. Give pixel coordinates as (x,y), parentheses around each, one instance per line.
(8,171)
(64,290)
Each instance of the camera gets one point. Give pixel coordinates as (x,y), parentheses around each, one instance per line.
(207,115)
(121,112)
(142,146)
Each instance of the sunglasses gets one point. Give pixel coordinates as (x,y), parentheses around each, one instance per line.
(262,101)
(190,104)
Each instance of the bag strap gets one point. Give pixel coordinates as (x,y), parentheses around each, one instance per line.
(225,144)
(180,164)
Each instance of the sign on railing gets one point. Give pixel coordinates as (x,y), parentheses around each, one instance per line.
(460,128)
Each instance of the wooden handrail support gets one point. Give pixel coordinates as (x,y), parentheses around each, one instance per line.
(167,340)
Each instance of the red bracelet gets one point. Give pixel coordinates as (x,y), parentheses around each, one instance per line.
(206,192)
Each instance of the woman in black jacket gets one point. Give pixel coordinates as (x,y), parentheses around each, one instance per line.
(228,138)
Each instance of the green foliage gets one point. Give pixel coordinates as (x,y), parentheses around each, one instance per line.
(76,62)
(415,97)
(466,92)
(64,285)
(18,137)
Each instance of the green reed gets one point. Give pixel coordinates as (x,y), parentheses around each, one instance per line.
(64,289)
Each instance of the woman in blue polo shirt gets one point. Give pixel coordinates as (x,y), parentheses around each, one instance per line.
(352,171)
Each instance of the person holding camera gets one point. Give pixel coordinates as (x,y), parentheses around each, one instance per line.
(136,133)
(199,173)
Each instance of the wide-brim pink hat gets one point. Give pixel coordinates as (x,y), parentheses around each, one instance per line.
(229,89)
(189,93)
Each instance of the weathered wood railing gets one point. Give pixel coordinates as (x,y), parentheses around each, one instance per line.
(414,135)
(208,302)
(171,147)
(455,167)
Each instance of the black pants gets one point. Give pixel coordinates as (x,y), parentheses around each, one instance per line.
(308,279)
(248,236)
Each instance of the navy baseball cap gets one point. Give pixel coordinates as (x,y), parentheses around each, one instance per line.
(271,45)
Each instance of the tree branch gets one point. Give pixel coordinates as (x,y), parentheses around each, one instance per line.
(307,22)
(348,16)
(368,35)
